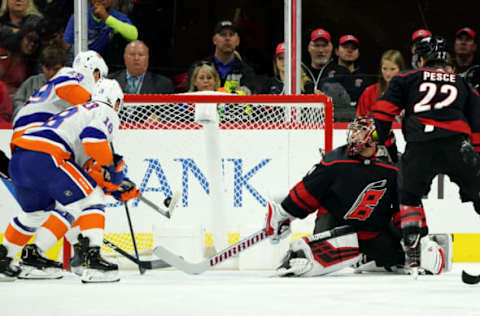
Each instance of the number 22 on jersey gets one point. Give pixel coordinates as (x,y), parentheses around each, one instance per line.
(431,90)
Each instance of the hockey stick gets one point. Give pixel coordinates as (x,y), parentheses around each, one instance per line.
(140,269)
(469,278)
(170,202)
(261,235)
(148,265)
(197,268)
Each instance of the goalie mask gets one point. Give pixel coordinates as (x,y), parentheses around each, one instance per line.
(87,63)
(359,135)
(108,91)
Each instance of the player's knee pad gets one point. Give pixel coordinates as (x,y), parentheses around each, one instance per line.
(432,256)
(320,257)
(97,197)
(33,219)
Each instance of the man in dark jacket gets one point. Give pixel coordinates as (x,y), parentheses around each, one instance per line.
(136,79)
(329,77)
(235,75)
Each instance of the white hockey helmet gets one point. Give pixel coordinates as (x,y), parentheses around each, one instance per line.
(86,63)
(108,91)
(90,61)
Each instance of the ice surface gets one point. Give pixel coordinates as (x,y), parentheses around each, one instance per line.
(172,292)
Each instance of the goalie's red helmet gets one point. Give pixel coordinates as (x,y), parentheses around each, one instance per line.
(359,135)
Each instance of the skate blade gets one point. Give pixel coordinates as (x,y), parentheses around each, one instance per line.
(5,278)
(32,273)
(78,271)
(96,276)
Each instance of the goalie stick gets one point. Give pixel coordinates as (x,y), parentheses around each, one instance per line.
(254,239)
(147,265)
(469,278)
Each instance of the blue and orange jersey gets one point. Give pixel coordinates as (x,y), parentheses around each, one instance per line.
(79,132)
(62,91)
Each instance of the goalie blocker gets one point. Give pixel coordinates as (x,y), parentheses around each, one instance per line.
(316,256)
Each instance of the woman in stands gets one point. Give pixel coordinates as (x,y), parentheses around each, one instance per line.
(391,63)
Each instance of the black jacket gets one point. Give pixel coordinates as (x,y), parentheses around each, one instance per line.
(152,83)
(241,75)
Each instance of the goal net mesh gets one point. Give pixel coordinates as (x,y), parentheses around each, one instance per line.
(192,113)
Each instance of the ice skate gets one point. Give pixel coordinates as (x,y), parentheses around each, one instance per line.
(35,266)
(8,271)
(78,259)
(97,269)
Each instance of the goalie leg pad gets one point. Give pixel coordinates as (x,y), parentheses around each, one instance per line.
(320,257)
(446,243)
(432,256)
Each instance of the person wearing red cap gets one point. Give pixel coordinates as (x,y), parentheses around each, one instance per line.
(416,37)
(328,77)
(275,84)
(465,49)
(348,53)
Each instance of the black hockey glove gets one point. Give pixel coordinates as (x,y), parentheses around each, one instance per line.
(4,163)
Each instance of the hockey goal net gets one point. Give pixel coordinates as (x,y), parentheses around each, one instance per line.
(224,155)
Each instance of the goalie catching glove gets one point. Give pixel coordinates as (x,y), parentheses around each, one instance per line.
(126,191)
(277,222)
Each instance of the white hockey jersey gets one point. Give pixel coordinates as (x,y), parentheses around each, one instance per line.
(60,92)
(79,132)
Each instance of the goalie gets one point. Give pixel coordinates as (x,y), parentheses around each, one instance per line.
(355,193)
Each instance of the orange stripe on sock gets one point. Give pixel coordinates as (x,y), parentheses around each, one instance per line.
(92,221)
(78,176)
(56,226)
(15,237)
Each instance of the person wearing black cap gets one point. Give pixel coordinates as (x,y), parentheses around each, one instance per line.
(465,49)
(235,75)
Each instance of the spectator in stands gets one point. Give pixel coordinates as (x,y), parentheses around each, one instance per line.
(465,49)
(275,84)
(204,78)
(56,11)
(235,75)
(50,32)
(18,58)
(103,22)
(329,77)
(136,78)
(390,64)
(417,37)
(15,18)
(5,104)
(348,53)
(52,59)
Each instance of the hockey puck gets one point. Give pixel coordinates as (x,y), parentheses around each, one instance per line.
(167,201)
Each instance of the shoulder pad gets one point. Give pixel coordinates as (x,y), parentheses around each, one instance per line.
(339,153)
